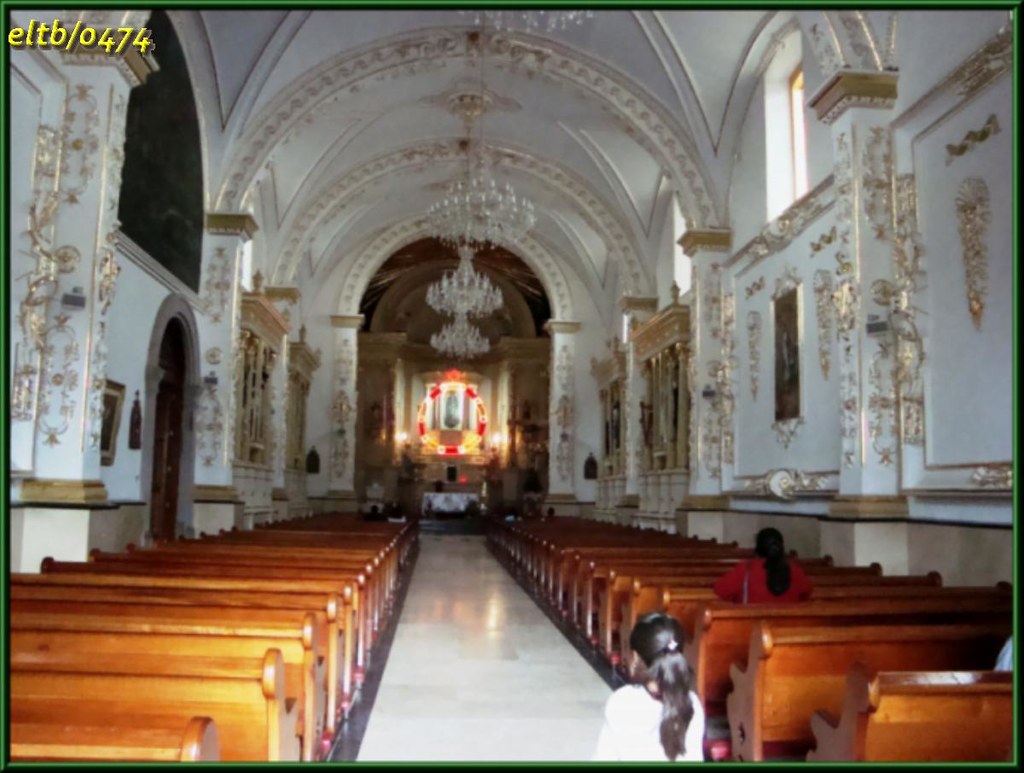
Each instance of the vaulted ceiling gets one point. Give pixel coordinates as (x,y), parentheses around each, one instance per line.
(335,126)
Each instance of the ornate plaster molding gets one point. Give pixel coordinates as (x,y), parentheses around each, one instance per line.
(974,214)
(848,88)
(754,350)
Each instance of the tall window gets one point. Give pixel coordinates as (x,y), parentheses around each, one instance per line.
(798,132)
(682,266)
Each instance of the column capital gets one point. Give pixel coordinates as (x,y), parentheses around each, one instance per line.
(642,304)
(347,321)
(848,89)
(710,240)
(290,295)
(40,490)
(559,326)
(231,224)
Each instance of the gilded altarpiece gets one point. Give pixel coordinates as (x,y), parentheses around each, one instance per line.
(610,377)
(663,346)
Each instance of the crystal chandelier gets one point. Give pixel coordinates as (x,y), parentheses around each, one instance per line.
(532,21)
(460,339)
(476,209)
(464,291)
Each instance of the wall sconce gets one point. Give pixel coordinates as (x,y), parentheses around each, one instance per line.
(74,299)
(708,393)
(403,437)
(210,379)
(496,439)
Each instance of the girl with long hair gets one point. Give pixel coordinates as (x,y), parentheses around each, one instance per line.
(768,578)
(657,717)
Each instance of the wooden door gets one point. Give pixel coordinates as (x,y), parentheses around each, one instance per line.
(167,437)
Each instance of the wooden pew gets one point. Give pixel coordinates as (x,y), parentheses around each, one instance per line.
(337,616)
(246,704)
(59,742)
(302,695)
(792,672)
(918,716)
(255,576)
(723,629)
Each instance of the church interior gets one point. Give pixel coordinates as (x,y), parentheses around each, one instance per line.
(372,374)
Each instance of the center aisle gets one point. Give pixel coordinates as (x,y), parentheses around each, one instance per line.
(478,672)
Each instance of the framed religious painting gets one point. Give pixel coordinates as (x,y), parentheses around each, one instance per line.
(113,402)
(786,316)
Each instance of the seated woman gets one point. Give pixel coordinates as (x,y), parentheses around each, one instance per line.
(768,578)
(658,718)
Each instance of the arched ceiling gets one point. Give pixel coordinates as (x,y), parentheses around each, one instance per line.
(336,126)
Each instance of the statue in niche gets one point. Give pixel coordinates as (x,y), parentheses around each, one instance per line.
(527,410)
(135,425)
(313,462)
(615,424)
(646,421)
(675,407)
(451,411)
(375,420)
(590,468)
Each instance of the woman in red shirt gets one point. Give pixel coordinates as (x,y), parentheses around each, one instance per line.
(769,578)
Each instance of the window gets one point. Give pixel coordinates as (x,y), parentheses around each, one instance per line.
(785,128)
(682,266)
(798,132)
(246,265)
(625,328)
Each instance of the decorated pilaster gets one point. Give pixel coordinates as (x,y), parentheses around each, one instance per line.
(710,369)
(64,276)
(856,105)
(637,311)
(219,326)
(343,409)
(561,412)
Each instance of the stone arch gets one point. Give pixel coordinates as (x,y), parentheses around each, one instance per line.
(594,211)
(373,255)
(174,308)
(643,117)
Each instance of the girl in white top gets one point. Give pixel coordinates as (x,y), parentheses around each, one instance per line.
(658,718)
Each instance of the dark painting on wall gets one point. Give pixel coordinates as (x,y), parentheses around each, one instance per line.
(787,355)
(161,204)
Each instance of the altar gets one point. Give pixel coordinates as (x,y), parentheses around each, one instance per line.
(448,501)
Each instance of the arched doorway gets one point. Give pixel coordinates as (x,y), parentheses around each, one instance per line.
(168,432)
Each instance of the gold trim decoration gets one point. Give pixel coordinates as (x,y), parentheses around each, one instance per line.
(210,424)
(668,327)
(878,506)
(824,240)
(705,502)
(823,302)
(998,476)
(219,283)
(261,317)
(848,89)
(825,50)
(986,64)
(564,412)
(290,295)
(785,431)
(846,300)
(755,287)
(347,321)
(876,182)
(780,232)
(882,405)
(113,401)
(716,240)
(786,484)
(342,408)
(972,138)
(231,224)
(556,326)
(974,214)
(42,491)
(754,349)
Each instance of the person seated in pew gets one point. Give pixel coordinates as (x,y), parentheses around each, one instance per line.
(768,578)
(658,717)
(1004,662)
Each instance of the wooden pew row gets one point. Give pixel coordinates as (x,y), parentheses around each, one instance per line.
(22,587)
(56,741)
(247,702)
(723,632)
(307,673)
(918,716)
(343,581)
(793,671)
(604,596)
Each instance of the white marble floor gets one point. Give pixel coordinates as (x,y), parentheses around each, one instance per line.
(477,672)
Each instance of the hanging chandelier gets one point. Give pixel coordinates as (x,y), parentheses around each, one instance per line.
(477,209)
(464,291)
(460,339)
(531,21)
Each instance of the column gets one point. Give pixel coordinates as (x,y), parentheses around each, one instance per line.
(64,277)
(637,310)
(708,375)
(561,418)
(217,502)
(858,109)
(343,411)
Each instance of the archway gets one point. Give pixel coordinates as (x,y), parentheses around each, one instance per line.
(168,431)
